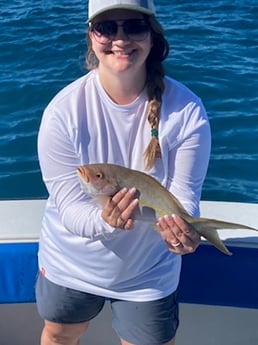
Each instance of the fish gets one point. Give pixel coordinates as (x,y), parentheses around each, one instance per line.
(102,180)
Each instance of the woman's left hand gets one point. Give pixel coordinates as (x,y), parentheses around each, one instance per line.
(179,236)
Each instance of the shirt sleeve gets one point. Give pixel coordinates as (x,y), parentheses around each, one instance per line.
(59,158)
(189,158)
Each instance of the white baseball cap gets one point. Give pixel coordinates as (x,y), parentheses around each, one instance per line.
(97,7)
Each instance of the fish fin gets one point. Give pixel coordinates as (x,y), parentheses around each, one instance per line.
(219,224)
(208,230)
(145,214)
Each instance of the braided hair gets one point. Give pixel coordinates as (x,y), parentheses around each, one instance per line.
(155,87)
(154,84)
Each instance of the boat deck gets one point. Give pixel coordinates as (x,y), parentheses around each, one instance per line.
(219,299)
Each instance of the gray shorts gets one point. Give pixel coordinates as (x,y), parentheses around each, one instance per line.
(140,323)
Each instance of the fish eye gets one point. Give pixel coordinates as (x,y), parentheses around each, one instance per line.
(99,175)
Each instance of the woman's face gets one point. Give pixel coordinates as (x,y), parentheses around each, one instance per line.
(119,51)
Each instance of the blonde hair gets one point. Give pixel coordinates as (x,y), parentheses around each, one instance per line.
(154,84)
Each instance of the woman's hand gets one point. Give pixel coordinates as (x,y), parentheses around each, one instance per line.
(119,209)
(180,236)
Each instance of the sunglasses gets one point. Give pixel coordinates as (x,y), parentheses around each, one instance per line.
(135,29)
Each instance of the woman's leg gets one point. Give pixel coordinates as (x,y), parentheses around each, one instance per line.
(66,312)
(146,323)
(62,334)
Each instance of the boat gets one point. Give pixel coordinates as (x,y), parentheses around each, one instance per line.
(218,293)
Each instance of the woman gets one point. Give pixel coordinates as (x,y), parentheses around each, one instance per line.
(124,111)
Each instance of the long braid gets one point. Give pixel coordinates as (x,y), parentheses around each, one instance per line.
(155,88)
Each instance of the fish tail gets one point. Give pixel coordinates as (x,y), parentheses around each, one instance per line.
(208,229)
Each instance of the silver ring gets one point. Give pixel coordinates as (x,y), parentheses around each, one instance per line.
(176,244)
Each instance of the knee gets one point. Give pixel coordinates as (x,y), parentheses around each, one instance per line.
(56,338)
(62,334)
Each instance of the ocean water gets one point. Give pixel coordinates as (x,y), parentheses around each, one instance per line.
(213,51)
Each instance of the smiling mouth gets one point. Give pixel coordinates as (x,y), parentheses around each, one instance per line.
(121,53)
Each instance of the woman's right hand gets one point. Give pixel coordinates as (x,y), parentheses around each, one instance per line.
(119,209)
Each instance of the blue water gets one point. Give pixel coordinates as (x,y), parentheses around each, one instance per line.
(213,51)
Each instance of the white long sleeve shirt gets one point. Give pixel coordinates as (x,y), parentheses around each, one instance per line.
(82,125)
